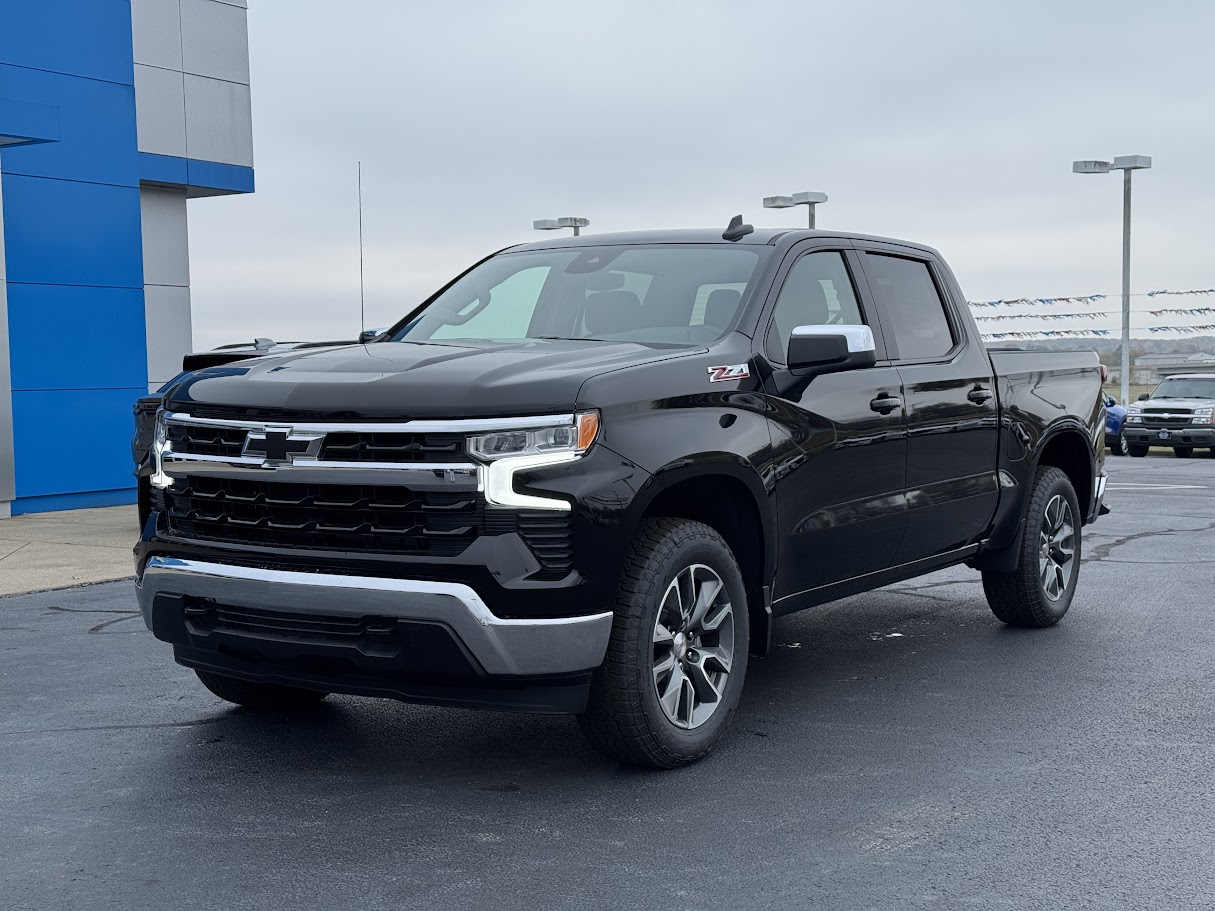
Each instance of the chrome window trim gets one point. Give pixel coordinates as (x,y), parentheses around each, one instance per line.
(468,425)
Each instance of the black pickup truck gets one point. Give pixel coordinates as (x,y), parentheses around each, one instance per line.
(587,474)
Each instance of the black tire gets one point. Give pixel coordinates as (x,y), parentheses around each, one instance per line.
(266,697)
(1119,446)
(1020,598)
(1183,452)
(624,719)
(1136,452)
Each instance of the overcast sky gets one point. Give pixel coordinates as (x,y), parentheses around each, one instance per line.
(950,123)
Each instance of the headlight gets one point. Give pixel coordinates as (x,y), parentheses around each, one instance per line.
(574,437)
(507,452)
(1206,411)
(1133,409)
(1134,419)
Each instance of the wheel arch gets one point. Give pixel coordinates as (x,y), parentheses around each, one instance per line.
(728,495)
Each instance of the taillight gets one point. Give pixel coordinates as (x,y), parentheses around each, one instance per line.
(1105,373)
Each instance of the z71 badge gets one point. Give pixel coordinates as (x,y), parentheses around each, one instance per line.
(728,372)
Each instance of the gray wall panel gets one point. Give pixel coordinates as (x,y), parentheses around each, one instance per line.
(219,121)
(215,40)
(166,292)
(167,314)
(160,110)
(156,32)
(166,245)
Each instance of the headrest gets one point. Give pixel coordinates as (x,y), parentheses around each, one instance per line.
(720,307)
(612,311)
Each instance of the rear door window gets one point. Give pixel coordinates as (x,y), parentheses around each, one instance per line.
(908,293)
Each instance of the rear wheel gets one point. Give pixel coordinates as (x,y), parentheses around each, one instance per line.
(1136,452)
(674,669)
(259,696)
(1040,590)
(1119,446)
(1183,452)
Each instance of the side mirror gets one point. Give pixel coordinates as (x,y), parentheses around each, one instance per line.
(831,349)
(370,335)
(1143,397)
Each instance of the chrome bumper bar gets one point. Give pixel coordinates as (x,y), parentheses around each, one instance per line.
(528,647)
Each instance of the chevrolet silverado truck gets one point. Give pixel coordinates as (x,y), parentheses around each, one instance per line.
(1178,414)
(587,475)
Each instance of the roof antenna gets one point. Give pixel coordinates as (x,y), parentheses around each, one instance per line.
(736,230)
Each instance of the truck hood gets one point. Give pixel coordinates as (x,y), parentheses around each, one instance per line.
(1175,404)
(406,380)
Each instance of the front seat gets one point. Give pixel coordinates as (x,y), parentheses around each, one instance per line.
(608,312)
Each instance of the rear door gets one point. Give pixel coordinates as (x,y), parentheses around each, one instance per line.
(950,396)
(839,439)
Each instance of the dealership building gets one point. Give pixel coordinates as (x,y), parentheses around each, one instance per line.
(113,114)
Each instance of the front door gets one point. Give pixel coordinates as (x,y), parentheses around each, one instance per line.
(840,440)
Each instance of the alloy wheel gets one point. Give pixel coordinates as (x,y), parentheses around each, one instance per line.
(1057,551)
(693,646)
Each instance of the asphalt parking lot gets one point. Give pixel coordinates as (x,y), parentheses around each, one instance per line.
(900,749)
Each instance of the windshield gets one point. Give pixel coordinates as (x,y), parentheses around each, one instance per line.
(1183,387)
(662,294)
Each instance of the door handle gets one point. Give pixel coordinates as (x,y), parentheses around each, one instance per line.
(979,395)
(884,404)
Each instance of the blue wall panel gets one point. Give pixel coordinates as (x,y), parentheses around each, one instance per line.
(99,457)
(64,232)
(106,324)
(80,37)
(96,128)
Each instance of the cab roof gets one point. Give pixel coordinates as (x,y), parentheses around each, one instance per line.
(759,237)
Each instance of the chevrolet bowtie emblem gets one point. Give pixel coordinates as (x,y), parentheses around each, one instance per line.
(279,446)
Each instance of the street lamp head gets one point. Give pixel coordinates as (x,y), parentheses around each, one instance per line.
(573,222)
(1131,163)
(546,224)
(808,199)
(779,202)
(1090,167)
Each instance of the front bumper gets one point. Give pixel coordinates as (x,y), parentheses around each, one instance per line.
(368,635)
(1197,436)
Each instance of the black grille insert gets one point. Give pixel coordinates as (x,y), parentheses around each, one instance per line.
(550,537)
(380,446)
(331,516)
(201,439)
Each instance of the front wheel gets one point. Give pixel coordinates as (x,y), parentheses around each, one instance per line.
(1136,452)
(670,682)
(1119,446)
(1040,590)
(1183,452)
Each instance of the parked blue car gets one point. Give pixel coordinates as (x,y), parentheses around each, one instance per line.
(1115,414)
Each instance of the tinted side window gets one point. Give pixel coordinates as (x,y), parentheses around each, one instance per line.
(817,292)
(917,314)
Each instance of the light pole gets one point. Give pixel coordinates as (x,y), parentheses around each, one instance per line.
(809,200)
(1126,164)
(553,224)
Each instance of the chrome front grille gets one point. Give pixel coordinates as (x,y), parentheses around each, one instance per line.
(1166,418)
(407,488)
